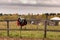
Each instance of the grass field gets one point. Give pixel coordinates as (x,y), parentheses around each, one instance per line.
(29,34)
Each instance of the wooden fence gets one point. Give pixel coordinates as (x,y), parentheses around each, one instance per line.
(45,29)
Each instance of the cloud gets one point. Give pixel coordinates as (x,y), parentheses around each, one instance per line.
(34,2)
(49,2)
(28,1)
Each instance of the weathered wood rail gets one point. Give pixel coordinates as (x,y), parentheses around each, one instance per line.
(8,29)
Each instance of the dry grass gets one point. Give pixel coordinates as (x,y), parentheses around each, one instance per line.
(29,34)
(13,25)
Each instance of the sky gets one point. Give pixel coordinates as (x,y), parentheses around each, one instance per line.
(29,6)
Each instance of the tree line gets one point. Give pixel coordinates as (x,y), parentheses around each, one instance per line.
(28,17)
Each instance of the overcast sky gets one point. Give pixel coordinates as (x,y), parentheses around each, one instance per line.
(29,6)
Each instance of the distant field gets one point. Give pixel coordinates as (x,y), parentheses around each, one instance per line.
(13,25)
(29,34)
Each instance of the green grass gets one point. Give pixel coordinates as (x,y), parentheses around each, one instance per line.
(29,34)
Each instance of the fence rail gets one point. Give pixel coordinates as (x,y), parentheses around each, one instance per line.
(24,29)
(32,30)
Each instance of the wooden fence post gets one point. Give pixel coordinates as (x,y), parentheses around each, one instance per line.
(7,27)
(20,31)
(45,28)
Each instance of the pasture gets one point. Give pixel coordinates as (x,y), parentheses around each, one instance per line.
(29,34)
